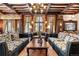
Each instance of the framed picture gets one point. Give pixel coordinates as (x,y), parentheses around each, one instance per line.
(70,25)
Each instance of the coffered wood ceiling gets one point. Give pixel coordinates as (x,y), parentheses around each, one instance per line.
(62,8)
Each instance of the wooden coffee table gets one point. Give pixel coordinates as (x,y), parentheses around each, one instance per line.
(34,45)
(41,51)
(37,48)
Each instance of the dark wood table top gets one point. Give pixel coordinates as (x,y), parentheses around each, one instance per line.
(40,46)
(36,44)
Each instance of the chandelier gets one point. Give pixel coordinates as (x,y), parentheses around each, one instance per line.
(38,8)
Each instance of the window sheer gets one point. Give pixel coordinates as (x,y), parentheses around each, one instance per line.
(39,24)
(27,24)
(9,26)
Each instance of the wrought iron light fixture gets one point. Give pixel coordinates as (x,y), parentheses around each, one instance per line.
(38,8)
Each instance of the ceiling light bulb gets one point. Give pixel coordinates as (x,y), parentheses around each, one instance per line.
(30,9)
(30,27)
(34,6)
(32,22)
(31,3)
(35,11)
(46,22)
(41,10)
(44,7)
(60,24)
(48,26)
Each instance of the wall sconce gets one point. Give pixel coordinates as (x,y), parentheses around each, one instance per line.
(48,26)
(30,27)
(45,22)
(60,24)
(60,29)
(32,22)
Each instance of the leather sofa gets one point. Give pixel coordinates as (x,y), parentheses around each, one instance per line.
(55,35)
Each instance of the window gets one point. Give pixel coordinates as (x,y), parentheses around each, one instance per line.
(39,24)
(51,24)
(27,25)
(9,26)
(18,26)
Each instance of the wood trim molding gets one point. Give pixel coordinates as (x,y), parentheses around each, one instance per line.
(22,20)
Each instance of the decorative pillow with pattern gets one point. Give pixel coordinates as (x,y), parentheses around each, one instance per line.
(67,38)
(16,36)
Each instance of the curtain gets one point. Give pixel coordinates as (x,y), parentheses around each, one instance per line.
(5,26)
(44,24)
(24,24)
(34,27)
(13,26)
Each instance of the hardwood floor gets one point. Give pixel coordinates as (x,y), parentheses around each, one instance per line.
(34,43)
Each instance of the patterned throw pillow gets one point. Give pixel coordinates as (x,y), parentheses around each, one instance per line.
(71,39)
(62,35)
(16,36)
(67,38)
(7,37)
(12,37)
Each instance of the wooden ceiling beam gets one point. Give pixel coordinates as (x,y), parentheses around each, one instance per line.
(29,6)
(9,13)
(25,13)
(57,7)
(1,12)
(59,13)
(19,7)
(6,4)
(48,7)
(59,4)
(69,6)
(77,12)
(17,4)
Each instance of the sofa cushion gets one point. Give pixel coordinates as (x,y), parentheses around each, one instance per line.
(12,45)
(53,35)
(23,35)
(7,37)
(62,46)
(23,39)
(67,38)
(16,36)
(62,35)
(52,39)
